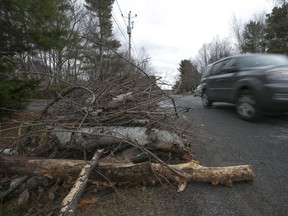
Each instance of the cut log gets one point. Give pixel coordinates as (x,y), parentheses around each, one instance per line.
(127,172)
(98,137)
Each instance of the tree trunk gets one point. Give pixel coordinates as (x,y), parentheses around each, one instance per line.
(127,172)
(100,137)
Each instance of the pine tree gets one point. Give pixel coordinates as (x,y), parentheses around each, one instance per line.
(253,37)
(277,30)
(189,76)
(102,33)
(24,28)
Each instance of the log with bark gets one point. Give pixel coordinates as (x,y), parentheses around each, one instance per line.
(127,142)
(103,136)
(127,172)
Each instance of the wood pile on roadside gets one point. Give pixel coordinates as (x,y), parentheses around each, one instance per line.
(121,131)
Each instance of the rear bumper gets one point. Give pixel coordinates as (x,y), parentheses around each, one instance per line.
(275,97)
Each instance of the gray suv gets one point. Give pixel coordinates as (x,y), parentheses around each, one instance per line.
(255,83)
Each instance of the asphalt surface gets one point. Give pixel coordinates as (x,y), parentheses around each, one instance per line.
(37,105)
(227,140)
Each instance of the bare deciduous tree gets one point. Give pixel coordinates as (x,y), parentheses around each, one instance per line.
(213,51)
(237,26)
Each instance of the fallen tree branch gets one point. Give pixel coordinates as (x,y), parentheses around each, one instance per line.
(69,203)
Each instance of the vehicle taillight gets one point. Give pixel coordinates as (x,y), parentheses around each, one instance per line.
(277,74)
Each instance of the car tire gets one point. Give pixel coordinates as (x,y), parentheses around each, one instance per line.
(246,106)
(206,102)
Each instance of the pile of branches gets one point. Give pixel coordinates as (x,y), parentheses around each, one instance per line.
(117,131)
(115,114)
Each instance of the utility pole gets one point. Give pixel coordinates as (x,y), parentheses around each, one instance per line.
(129,32)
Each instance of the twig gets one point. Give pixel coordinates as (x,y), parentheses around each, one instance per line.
(134,65)
(44,112)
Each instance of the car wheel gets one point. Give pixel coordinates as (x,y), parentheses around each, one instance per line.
(206,102)
(247,107)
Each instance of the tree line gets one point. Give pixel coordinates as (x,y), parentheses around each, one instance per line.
(50,44)
(47,45)
(264,33)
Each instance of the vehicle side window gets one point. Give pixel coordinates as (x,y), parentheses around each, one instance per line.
(206,73)
(259,61)
(228,65)
(216,69)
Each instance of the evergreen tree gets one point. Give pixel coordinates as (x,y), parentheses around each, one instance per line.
(25,26)
(30,24)
(176,87)
(277,30)
(253,37)
(102,33)
(189,76)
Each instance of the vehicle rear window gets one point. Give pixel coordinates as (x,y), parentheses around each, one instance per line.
(262,61)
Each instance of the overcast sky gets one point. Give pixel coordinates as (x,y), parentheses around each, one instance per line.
(171,31)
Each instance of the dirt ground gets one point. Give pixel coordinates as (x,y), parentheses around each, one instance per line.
(140,201)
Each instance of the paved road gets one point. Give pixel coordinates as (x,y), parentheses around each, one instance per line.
(38,105)
(227,140)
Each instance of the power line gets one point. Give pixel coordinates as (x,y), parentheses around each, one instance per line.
(121,12)
(119,27)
